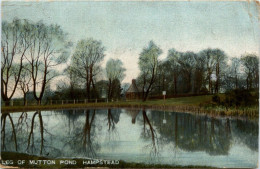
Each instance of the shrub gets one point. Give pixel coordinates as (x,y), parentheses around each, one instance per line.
(216,99)
(240,97)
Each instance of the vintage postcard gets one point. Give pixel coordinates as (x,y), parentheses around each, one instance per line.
(129,84)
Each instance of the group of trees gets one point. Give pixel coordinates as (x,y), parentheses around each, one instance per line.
(32,52)
(206,72)
(86,74)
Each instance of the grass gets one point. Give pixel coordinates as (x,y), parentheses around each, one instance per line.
(79,162)
(193,104)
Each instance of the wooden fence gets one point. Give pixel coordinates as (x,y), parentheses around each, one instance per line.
(57,102)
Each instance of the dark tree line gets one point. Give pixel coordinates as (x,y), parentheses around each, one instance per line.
(206,72)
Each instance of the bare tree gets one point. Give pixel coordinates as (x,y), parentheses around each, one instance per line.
(186,62)
(70,83)
(235,69)
(220,59)
(14,45)
(24,82)
(173,57)
(250,63)
(48,49)
(148,64)
(233,74)
(199,73)
(114,71)
(210,65)
(85,61)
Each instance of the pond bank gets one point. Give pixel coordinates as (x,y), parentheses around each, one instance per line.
(251,112)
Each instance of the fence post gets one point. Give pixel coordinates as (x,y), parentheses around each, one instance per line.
(85,101)
(96,100)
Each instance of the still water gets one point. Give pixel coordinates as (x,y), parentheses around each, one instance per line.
(141,136)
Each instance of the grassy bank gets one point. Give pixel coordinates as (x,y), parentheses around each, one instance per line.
(79,163)
(194,104)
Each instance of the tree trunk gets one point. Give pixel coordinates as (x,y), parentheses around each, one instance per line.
(24,99)
(209,84)
(94,88)
(189,83)
(109,89)
(41,130)
(88,90)
(7,102)
(247,83)
(175,84)
(217,80)
(236,82)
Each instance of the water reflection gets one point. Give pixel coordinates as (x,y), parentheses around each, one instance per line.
(150,133)
(31,146)
(82,137)
(122,133)
(197,133)
(3,131)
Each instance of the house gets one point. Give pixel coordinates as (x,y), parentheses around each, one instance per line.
(133,92)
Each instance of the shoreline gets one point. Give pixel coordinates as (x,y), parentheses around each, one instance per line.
(252,112)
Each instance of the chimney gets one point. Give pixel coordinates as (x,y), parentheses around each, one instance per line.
(133,81)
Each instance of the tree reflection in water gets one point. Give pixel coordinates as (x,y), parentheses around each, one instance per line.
(3,132)
(83,136)
(87,144)
(246,132)
(149,132)
(88,129)
(197,133)
(112,120)
(31,145)
(23,119)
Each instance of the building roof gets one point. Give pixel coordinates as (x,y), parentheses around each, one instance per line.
(133,88)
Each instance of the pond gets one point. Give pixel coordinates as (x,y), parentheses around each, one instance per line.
(140,136)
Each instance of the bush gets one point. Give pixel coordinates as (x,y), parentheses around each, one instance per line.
(216,99)
(240,97)
(204,90)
